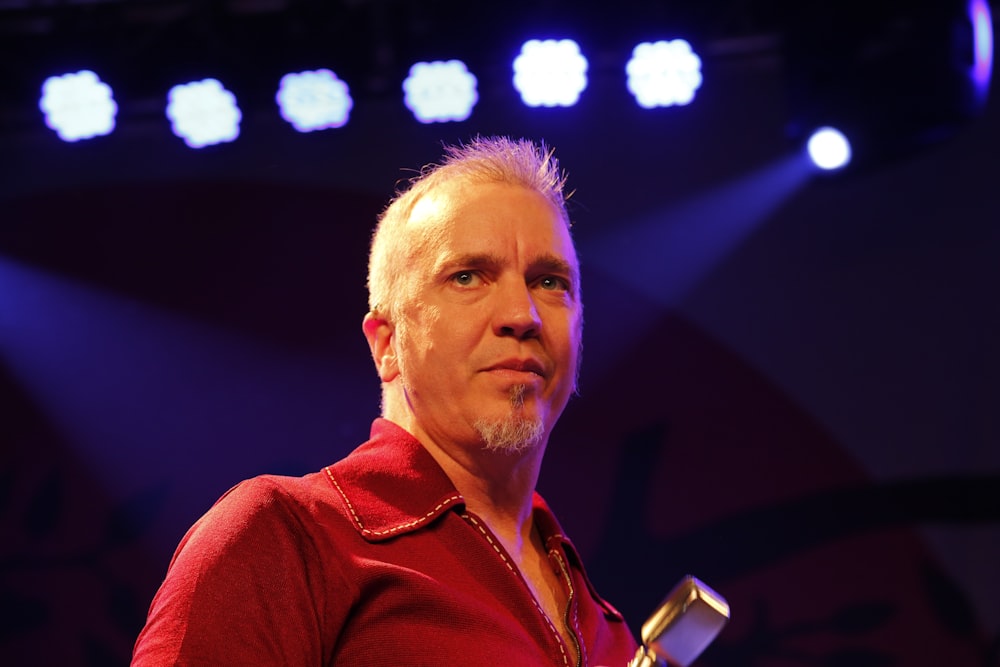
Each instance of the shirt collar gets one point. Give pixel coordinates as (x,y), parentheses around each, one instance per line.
(391,485)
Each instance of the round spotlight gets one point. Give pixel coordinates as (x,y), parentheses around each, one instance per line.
(829,149)
(78,105)
(550,73)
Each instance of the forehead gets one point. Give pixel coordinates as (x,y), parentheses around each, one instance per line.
(464,216)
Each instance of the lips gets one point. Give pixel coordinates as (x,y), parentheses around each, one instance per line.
(520,365)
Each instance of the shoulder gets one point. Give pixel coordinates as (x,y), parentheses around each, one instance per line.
(267,495)
(263,512)
(251,579)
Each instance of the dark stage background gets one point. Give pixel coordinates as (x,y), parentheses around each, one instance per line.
(790,386)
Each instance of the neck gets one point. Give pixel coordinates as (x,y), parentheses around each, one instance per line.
(497,486)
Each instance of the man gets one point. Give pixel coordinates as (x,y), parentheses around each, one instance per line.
(428,544)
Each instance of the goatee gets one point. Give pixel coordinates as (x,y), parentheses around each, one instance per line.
(513,433)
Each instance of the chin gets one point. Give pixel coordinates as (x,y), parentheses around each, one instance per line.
(513,433)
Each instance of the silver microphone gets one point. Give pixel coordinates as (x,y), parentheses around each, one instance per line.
(683,626)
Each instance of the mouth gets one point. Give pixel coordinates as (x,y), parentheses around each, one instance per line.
(518,367)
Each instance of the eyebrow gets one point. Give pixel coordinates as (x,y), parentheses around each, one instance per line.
(549,263)
(545,263)
(483,260)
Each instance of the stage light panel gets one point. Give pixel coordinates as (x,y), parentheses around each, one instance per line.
(78,106)
(829,149)
(550,73)
(663,73)
(203,113)
(440,91)
(314,100)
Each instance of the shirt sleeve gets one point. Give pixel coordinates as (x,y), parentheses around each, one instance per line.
(245,586)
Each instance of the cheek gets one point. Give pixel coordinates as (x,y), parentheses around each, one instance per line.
(420,333)
(430,324)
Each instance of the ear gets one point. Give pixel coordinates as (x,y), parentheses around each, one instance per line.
(381,337)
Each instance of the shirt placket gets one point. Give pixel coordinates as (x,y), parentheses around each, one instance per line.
(570,615)
(570,612)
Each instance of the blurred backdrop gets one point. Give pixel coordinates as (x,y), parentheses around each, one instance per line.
(791,378)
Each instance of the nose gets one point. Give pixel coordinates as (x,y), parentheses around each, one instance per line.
(516,313)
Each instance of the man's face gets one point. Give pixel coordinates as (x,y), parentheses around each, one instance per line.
(491,332)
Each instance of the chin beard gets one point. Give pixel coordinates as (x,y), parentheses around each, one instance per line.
(513,433)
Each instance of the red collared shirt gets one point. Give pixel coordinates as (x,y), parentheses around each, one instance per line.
(371,561)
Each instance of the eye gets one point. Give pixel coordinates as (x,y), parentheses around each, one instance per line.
(553,283)
(465,278)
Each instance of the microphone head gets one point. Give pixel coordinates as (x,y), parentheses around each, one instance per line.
(685,623)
